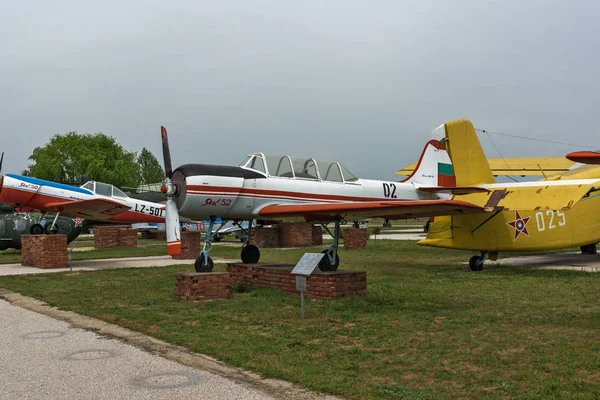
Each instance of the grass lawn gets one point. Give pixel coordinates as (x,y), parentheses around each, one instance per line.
(428,328)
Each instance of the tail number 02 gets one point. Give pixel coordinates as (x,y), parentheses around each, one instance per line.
(540,218)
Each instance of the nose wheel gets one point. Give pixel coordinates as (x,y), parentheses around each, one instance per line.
(204,263)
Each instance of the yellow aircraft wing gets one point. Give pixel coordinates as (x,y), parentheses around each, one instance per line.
(545,195)
(523,166)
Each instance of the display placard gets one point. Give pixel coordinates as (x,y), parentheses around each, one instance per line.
(307,264)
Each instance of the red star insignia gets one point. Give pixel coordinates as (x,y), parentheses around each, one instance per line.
(520,225)
(78,221)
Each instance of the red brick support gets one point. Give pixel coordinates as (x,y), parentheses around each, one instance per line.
(317,235)
(128,237)
(108,237)
(355,238)
(44,251)
(190,246)
(266,237)
(295,234)
(194,286)
(319,286)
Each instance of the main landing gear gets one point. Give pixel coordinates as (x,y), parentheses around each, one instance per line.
(331,260)
(38,229)
(589,249)
(476,262)
(250,253)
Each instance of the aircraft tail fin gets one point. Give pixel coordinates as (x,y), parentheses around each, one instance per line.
(434,168)
(470,164)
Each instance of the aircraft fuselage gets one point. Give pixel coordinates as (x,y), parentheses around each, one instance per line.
(28,194)
(238,193)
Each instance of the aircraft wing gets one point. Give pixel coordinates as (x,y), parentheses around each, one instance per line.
(520,166)
(538,196)
(95,208)
(371,209)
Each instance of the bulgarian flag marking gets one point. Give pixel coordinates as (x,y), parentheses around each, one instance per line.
(446,176)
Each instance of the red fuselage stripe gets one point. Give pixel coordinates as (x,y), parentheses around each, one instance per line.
(274,194)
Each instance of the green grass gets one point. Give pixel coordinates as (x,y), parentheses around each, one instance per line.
(428,328)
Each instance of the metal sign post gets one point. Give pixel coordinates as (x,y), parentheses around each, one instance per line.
(305,267)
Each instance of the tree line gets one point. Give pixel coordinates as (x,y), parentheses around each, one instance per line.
(95,156)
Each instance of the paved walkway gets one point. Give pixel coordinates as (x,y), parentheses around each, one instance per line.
(106,263)
(565,261)
(43,358)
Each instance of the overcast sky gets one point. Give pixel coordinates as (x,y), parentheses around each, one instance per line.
(360,82)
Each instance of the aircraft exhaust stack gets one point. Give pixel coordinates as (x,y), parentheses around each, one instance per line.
(172,218)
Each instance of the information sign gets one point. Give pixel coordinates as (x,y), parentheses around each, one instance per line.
(307,264)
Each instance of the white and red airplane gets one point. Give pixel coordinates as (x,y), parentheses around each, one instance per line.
(94,200)
(282,188)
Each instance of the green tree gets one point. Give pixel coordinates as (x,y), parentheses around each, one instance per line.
(97,156)
(150,169)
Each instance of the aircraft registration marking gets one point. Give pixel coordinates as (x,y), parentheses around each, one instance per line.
(540,219)
(389,190)
(156,211)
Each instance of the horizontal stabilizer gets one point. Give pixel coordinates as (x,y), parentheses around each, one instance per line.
(520,166)
(95,208)
(372,209)
(453,190)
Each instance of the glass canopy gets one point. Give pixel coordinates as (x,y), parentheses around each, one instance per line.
(104,189)
(300,168)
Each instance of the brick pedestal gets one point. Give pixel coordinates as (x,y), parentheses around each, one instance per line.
(319,286)
(193,286)
(355,238)
(107,237)
(266,237)
(128,237)
(190,246)
(295,234)
(317,235)
(44,251)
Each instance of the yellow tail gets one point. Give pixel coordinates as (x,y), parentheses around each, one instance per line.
(471,166)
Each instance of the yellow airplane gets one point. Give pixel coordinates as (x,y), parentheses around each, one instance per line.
(556,213)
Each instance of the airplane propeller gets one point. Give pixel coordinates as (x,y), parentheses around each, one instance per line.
(173,229)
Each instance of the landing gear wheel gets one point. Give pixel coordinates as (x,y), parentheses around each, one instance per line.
(589,249)
(49,231)
(250,254)
(476,263)
(217,238)
(325,263)
(202,266)
(36,229)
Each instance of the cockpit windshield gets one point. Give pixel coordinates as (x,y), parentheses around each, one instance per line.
(104,189)
(300,168)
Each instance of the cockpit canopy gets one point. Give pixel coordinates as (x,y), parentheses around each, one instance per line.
(104,189)
(294,167)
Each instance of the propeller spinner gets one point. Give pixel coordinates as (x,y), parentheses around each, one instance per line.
(172,218)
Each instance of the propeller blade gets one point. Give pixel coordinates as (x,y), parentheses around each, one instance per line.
(166,152)
(1,160)
(172,228)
